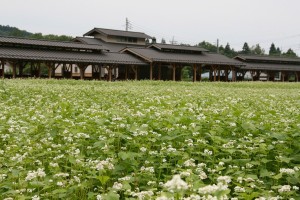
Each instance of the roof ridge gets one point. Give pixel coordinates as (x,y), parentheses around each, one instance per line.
(118,30)
(2,36)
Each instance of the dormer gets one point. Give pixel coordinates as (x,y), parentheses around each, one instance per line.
(118,36)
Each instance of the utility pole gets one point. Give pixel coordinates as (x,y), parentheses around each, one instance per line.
(127,24)
(217,45)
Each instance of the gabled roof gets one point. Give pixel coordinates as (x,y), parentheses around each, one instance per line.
(168,47)
(12,53)
(13,41)
(112,47)
(118,33)
(153,55)
(272,59)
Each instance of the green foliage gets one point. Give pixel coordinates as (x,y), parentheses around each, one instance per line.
(290,53)
(257,50)
(274,51)
(15,32)
(246,49)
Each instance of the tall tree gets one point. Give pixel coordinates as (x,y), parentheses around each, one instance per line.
(290,53)
(246,49)
(163,41)
(229,52)
(274,51)
(208,46)
(257,50)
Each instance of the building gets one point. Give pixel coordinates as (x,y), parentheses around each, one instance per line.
(120,55)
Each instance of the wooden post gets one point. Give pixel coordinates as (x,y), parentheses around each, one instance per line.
(2,68)
(200,73)
(233,70)
(195,73)
(297,76)
(174,72)
(82,69)
(14,69)
(126,72)
(283,76)
(135,70)
(159,71)
(226,74)
(219,73)
(109,73)
(151,70)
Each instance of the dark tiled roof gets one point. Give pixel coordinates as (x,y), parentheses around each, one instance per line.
(112,47)
(118,33)
(153,55)
(270,66)
(11,53)
(278,59)
(47,43)
(178,47)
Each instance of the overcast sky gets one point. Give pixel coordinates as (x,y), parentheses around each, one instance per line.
(189,21)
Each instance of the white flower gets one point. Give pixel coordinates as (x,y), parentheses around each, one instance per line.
(60,183)
(143,149)
(99,197)
(176,184)
(224,179)
(285,188)
(287,171)
(117,186)
(35,197)
(239,189)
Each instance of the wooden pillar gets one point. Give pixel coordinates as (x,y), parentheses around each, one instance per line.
(50,67)
(109,68)
(297,76)
(282,76)
(200,73)
(233,70)
(126,72)
(226,74)
(135,70)
(174,72)
(195,73)
(219,73)
(214,69)
(21,69)
(151,70)
(2,68)
(82,69)
(159,71)
(14,69)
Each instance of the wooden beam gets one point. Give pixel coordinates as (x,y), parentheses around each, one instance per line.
(2,68)
(195,73)
(109,73)
(200,72)
(126,72)
(151,70)
(159,71)
(174,72)
(233,70)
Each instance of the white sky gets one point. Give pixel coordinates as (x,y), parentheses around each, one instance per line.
(189,21)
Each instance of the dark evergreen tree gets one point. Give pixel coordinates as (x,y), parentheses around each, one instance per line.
(273,50)
(206,45)
(290,53)
(257,50)
(246,49)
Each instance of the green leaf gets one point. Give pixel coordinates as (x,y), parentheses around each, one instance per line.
(103,179)
(264,173)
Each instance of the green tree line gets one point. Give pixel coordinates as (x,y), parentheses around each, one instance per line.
(246,49)
(15,32)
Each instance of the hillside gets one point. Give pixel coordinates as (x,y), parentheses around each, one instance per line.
(15,32)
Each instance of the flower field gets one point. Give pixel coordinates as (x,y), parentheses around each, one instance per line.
(67,139)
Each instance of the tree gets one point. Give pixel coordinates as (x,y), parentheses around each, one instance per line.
(274,51)
(246,49)
(229,52)
(257,50)
(163,41)
(290,53)
(206,45)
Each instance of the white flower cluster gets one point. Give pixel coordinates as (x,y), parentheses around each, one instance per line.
(142,195)
(117,186)
(176,184)
(287,171)
(147,169)
(34,174)
(189,163)
(219,188)
(104,164)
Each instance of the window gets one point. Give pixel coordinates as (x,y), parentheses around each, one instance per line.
(76,70)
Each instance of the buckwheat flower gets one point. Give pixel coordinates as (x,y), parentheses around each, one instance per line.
(163,198)
(295,188)
(40,172)
(9,198)
(189,163)
(30,175)
(77,179)
(185,174)
(143,149)
(176,184)
(59,183)
(117,186)
(221,163)
(285,188)
(224,179)
(287,171)
(53,164)
(239,189)
(35,197)
(202,175)
(99,197)
(232,124)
